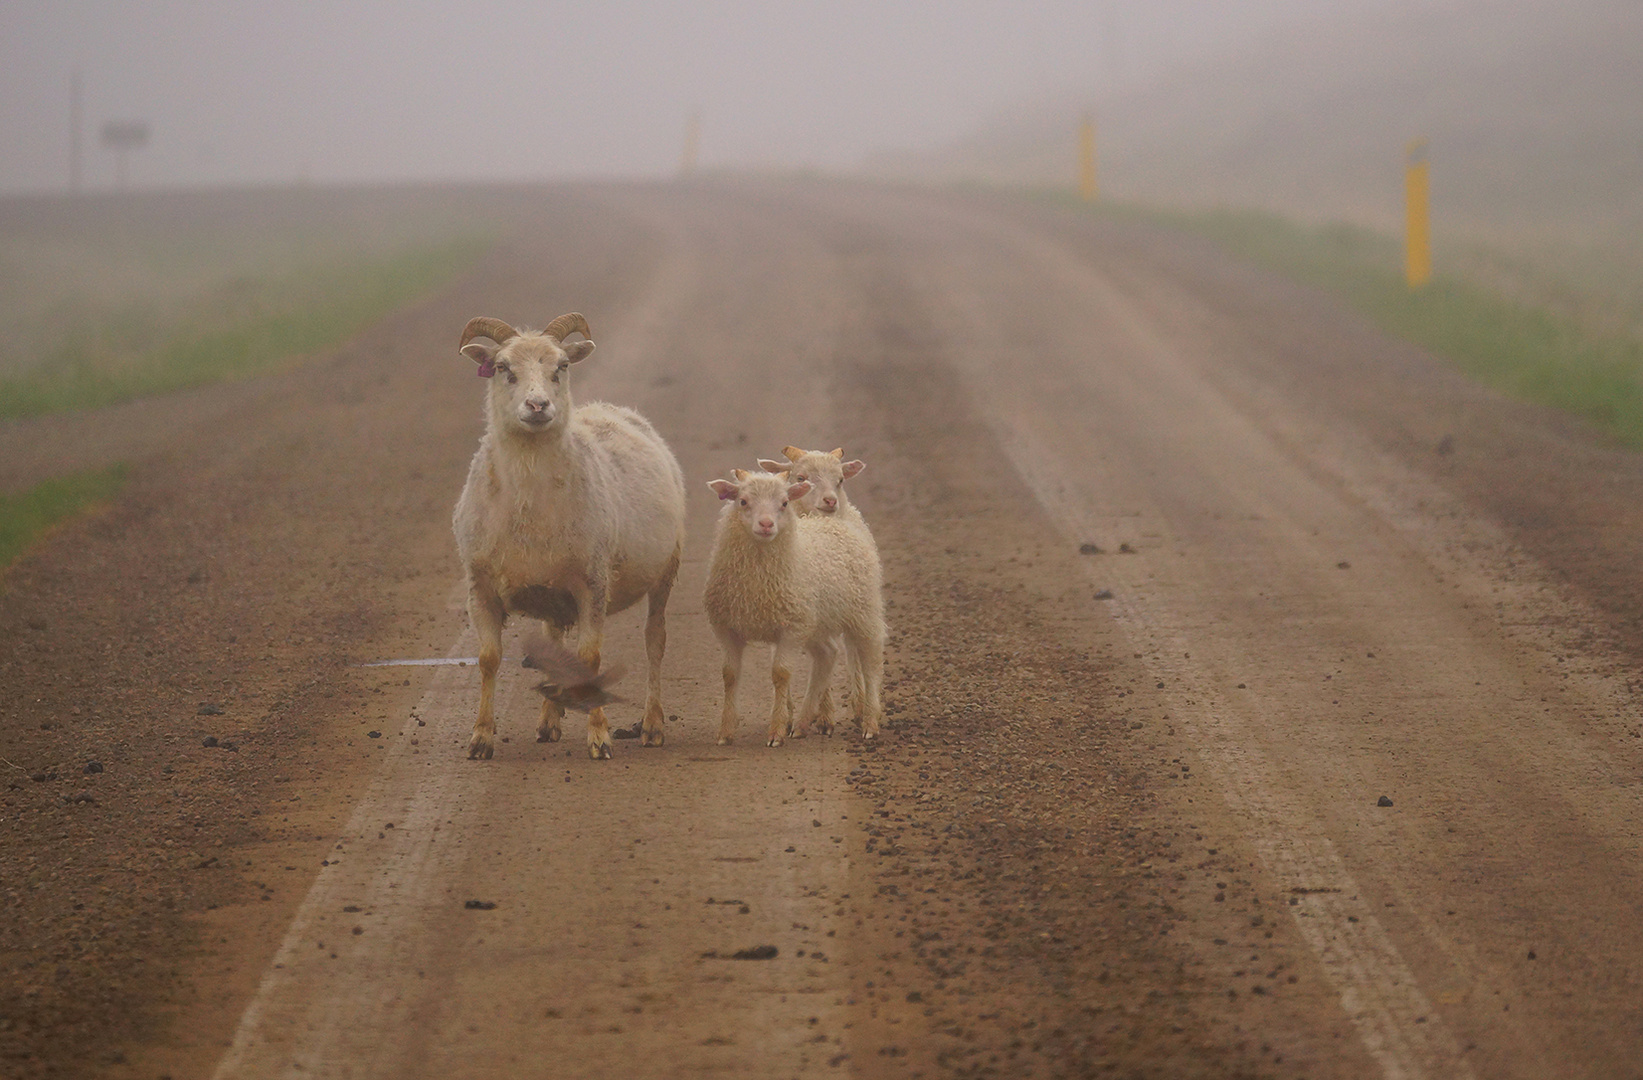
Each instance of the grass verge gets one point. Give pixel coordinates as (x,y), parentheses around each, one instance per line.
(26,517)
(1530,352)
(286,319)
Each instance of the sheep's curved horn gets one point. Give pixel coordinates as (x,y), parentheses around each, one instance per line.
(495,329)
(569,323)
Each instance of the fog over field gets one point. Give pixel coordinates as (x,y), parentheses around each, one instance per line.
(1534,114)
(1535,110)
(371,91)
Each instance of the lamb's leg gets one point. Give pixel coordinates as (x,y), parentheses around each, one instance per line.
(486,613)
(781,680)
(733,647)
(650,731)
(869,650)
(548,727)
(823,654)
(590,608)
(856,694)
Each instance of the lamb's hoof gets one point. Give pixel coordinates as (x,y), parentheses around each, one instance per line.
(599,751)
(824,727)
(725,740)
(651,738)
(480,749)
(775,740)
(550,735)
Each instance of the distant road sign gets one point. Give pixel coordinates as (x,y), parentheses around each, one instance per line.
(125,134)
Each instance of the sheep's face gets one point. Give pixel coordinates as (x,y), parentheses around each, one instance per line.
(763,501)
(825,471)
(530,379)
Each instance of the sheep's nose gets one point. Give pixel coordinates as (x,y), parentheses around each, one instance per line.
(536,404)
(767,523)
(830,502)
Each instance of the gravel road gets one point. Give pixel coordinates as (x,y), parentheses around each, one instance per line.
(1263,698)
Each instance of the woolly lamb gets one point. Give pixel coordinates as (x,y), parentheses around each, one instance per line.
(826,470)
(570,513)
(800,583)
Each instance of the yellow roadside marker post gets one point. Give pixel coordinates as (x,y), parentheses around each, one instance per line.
(1086,159)
(693,138)
(1418,233)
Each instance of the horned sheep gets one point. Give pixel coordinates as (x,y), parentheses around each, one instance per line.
(570,513)
(799,583)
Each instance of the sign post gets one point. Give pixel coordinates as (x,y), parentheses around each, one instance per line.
(122,137)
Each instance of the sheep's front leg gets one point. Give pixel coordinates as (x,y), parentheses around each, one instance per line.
(781,681)
(590,606)
(486,613)
(733,647)
(818,704)
(650,730)
(548,728)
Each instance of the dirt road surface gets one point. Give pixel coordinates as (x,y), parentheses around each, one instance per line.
(1264,699)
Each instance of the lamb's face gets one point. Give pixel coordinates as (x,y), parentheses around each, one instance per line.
(530,379)
(764,501)
(825,471)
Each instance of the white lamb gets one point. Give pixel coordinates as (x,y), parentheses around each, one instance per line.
(799,583)
(569,513)
(826,471)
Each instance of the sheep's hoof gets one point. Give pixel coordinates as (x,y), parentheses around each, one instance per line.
(725,740)
(651,738)
(548,735)
(477,750)
(599,751)
(775,740)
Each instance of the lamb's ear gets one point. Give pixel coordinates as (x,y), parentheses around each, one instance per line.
(577,351)
(484,356)
(772,466)
(724,488)
(851,468)
(798,490)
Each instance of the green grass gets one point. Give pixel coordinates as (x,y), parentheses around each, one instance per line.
(256,324)
(26,517)
(1532,351)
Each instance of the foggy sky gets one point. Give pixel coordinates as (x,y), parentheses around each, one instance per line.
(276,92)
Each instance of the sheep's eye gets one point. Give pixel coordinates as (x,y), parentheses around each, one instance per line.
(801,479)
(744,502)
(784,504)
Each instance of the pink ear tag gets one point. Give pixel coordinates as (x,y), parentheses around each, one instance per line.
(486,368)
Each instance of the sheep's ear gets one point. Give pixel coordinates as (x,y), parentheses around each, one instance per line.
(851,468)
(577,351)
(799,490)
(723,488)
(839,453)
(792,453)
(772,466)
(484,356)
